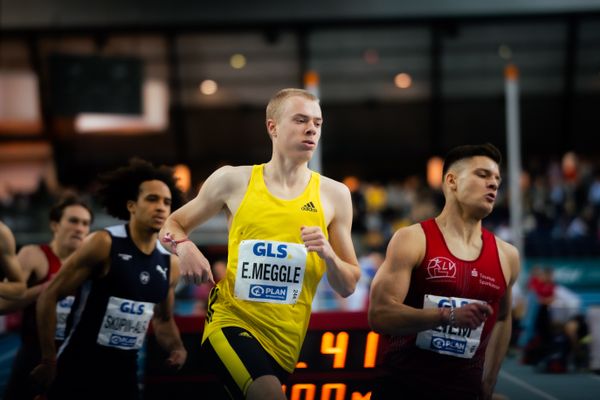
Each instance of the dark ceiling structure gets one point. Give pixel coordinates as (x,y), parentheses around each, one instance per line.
(454,54)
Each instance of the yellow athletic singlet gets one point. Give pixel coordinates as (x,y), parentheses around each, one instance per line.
(271,278)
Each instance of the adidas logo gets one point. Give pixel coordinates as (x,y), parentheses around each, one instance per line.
(309,207)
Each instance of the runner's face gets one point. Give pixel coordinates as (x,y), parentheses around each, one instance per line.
(152,206)
(477,182)
(298,129)
(73,227)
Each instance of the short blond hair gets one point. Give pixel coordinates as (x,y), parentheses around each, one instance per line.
(275,104)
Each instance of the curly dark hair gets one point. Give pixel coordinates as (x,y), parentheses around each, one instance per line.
(123,184)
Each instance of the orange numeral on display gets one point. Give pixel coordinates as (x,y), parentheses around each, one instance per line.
(339,349)
(308,388)
(338,388)
(371,350)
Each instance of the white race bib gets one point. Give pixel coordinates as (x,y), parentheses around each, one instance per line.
(452,341)
(125,323)
(270,271)
(63,308)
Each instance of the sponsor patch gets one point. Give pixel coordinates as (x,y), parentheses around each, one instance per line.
(267,292)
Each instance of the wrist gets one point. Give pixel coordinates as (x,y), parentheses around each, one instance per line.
(444,315)
(452,316)
(169,240)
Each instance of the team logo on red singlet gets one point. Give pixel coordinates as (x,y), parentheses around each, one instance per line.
(441,268)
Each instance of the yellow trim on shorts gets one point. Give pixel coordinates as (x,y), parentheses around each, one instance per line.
(231,360)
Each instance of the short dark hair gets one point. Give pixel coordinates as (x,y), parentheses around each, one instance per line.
(471,150)
(71,199)
(119,186)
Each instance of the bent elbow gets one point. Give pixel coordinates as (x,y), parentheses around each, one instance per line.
(375,321)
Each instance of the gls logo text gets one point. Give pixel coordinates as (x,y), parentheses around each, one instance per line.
(132,308)
(267,249)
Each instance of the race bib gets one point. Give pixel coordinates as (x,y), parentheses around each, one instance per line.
(452,341)
(63,308)
(270,271)
(125,323)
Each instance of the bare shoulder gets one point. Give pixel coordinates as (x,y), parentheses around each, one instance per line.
(509,257)
(98,242)
(412,234)
(231,172)
(408,243)
(230,178)
(333,189)
(31,254)
(33,262)
(336,201)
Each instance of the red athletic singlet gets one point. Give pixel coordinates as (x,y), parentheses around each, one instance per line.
(449,359)
(53,262)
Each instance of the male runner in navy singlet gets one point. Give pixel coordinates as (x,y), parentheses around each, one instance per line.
(127,280)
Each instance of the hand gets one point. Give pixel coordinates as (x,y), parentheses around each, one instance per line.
(43,374)
(177,359)
(194,267)
(314,239)
(472,315)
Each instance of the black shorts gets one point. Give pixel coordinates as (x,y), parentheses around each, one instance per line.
(239,359)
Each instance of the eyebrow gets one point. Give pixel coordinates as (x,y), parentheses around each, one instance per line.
(489,172)
(307,116)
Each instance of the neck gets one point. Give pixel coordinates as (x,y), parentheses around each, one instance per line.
(143,238)
(286,171)
(61,252)
(456,223)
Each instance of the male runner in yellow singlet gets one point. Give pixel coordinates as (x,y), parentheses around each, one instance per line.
(287,226)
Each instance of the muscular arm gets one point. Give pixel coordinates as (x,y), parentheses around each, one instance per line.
(500,336)
(163,323)
(33,264)
(214,195)
(387,312)
(13,285)
(343,271)
(92,256)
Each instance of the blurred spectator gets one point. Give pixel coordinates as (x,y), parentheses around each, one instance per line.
(578,333)
(541,284)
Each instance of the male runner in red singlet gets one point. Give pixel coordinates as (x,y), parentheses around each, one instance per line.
(70,220)
(443,293)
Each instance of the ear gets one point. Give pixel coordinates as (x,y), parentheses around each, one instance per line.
(131,206)
(53,226)
(450,179)
(272,128)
